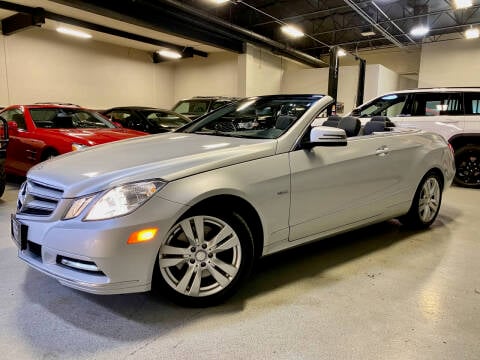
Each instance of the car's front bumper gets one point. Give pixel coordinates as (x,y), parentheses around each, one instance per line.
(122,267)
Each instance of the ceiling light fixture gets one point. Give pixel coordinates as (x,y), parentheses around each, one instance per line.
(219,1)
(367,33)
(76,33)
(463,4)
(419,31)
(171,54)
(472,33)
(292,31)
(341,52)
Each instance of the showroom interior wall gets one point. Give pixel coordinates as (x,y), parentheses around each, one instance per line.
(378,79)
(41,65)
(450,63)
(215,75)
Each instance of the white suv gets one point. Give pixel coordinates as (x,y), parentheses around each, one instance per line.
(452,112)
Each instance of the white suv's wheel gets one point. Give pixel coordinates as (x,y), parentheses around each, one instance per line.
(467,162)
(204,257)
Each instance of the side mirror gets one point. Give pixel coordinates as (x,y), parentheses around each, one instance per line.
(326,136)
(12,127)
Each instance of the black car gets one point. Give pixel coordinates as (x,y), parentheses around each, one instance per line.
(151,120)
(199,105)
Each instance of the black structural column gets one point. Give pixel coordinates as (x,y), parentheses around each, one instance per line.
(333,76)
(361,81)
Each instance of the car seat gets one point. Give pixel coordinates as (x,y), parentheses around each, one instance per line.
(385,119)
(351,125)
(284,121)
(332,121)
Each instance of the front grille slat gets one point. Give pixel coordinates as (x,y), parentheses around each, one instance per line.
(38,199)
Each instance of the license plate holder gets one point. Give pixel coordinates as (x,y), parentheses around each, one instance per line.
(19,232)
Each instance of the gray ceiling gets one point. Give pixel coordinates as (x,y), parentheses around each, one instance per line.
(327,23)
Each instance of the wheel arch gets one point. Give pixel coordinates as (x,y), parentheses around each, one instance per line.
(48,150)
(243,208)
(461,140)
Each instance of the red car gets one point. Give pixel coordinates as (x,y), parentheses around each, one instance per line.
(38,132)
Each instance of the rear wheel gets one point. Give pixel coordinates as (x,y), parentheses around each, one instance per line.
(467,162)
(426,202)
(3,180)
(204,258)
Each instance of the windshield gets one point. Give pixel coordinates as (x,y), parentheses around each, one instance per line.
(165,119)
(261,118)
(67,118)
(192,107)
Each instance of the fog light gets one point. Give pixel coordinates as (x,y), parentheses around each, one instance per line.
(142,236)
(79,264)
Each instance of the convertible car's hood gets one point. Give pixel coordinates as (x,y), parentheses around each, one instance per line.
(93,136)
(167,156)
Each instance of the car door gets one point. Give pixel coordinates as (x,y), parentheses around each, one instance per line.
(440,112)
(21,149)
(338,187)
(472,112)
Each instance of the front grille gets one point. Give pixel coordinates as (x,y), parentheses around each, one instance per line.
(38,199)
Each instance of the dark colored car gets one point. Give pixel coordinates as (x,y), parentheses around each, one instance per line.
(199,105)
(151,120)
(38,132)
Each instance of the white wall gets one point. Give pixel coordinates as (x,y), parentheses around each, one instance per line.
(264,72)
(450,63)
(41,65)
(378,79)
(216,75)
(405,61)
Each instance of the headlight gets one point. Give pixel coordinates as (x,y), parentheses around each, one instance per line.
(120,200)
(76,147)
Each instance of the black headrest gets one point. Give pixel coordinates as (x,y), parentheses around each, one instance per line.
(373,126)
(284,121)
(351,125)
(385,119)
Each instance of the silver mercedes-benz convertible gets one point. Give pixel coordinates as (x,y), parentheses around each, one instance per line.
(188,213)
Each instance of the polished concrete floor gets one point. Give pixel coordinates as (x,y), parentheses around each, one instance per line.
(379,293)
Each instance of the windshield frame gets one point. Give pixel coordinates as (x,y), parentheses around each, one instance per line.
(290,107)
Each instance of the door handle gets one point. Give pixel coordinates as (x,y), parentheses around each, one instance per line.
(382,151)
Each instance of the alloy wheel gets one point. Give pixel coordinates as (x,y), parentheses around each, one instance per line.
(201,256)
(429,200)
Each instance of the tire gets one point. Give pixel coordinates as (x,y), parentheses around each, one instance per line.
(426,202)
(48,154)
(3,180)
(467,162)
(197,268)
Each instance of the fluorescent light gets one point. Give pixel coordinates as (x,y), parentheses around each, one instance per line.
(419,30)
(367,33)
(219,1)
(170,54)
(341,52)
(71,32)
(292,31)
(463,4)
(472,33)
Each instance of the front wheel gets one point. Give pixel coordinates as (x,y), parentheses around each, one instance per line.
(467,162)
(204,258)
(426,202)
